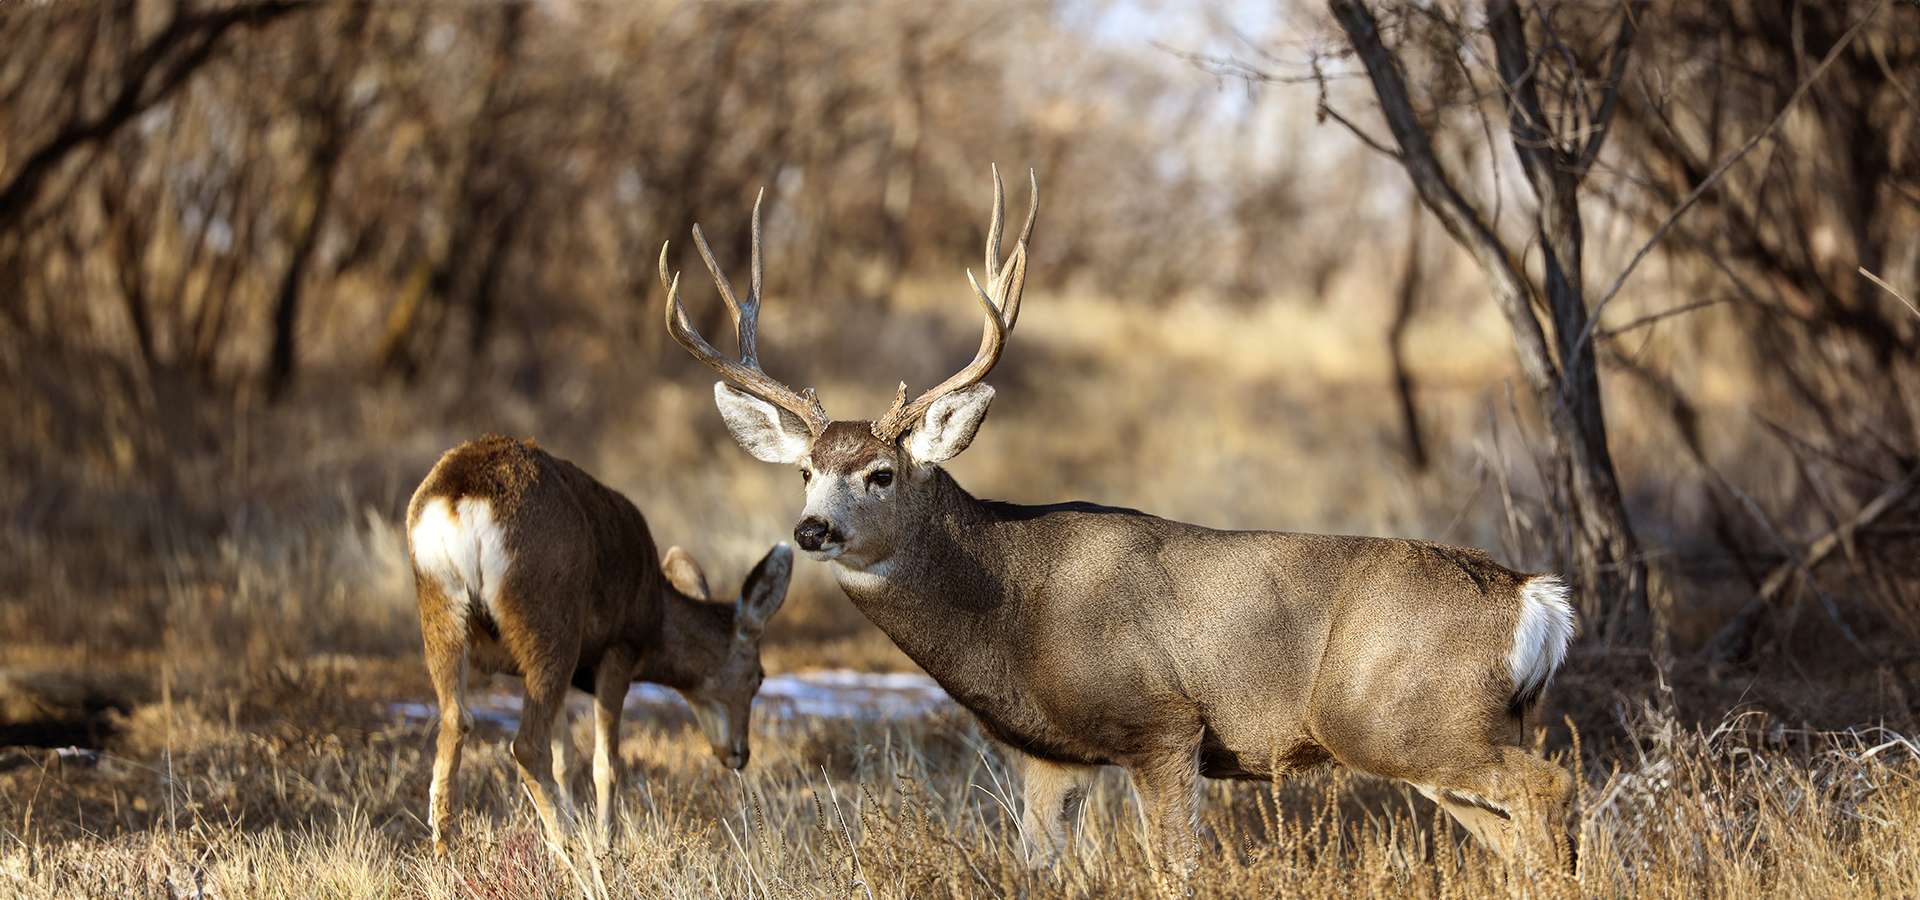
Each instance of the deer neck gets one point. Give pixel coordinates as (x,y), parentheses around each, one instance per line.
(942,594)
(693,639)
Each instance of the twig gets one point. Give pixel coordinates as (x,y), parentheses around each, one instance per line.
(1323,110)
(1889,289)
(1651,318)
(1816,553)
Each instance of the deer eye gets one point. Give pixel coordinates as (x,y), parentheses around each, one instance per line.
(806,475)
(880,477)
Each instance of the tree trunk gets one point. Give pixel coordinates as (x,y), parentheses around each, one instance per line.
(282,359)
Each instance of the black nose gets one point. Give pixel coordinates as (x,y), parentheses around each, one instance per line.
(811,533)
(738,759)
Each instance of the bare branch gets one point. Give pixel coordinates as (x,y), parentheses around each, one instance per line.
(1455,212)
(1693,196)
(1650,319)
(1724,644)
(1323,110)
(1519,71)
(1601,122)
(196,32)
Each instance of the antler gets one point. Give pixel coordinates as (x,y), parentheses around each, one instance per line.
(746,374)
(1001,303)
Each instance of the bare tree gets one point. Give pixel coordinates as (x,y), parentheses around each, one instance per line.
(1824,94)
(1556,151)
(150,74)
(332,117)
(488,196)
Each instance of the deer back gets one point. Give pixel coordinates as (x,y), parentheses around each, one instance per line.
(528,541)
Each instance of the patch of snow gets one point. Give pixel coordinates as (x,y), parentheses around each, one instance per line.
(831,694)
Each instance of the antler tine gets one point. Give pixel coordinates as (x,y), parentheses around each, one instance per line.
(745,313)
(994,225)
(744,320)
(755,271)
(998,223)
(1016,278)
(746,375)
(678,324)
(1000,302)
(993,339)
(1033,205)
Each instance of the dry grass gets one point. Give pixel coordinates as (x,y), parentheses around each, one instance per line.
(245,796)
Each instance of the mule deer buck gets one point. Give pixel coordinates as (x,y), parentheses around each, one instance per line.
(525,565)
(1084,635)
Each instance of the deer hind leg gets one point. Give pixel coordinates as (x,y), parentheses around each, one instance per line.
(1531,796)
(1053,793)
(446,649)
(1545,794)
(546,694)
(610,683)
(1169,787)
(1489,827)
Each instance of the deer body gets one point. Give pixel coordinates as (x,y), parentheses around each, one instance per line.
(525,565)
(1087,636)
(1082,635)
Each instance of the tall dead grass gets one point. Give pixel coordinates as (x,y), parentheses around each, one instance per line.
(208,802)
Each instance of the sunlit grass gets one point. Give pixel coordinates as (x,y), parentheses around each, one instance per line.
(304,806)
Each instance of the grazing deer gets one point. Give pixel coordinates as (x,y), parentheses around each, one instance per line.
(1083,635)
(525,565)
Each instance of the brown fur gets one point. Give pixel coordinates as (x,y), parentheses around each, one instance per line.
(1084,635)
(585,602)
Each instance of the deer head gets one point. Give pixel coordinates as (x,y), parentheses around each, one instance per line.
(722,702)
(863,479)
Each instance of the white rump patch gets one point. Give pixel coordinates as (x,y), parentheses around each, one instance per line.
(463,550)
(1540,640)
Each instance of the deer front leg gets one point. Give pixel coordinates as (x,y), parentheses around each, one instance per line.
(1169,785)
(1053,793)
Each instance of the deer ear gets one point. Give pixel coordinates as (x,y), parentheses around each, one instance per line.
(685,574)
(764,591)
(949,425)
(768,432)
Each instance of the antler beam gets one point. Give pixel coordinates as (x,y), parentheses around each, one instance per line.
(1000,301)
(746,374)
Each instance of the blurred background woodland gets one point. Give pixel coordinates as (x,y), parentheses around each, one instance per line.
(1618,288)
(261,262)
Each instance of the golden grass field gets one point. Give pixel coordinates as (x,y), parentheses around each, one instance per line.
(301,793)
(218,601)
